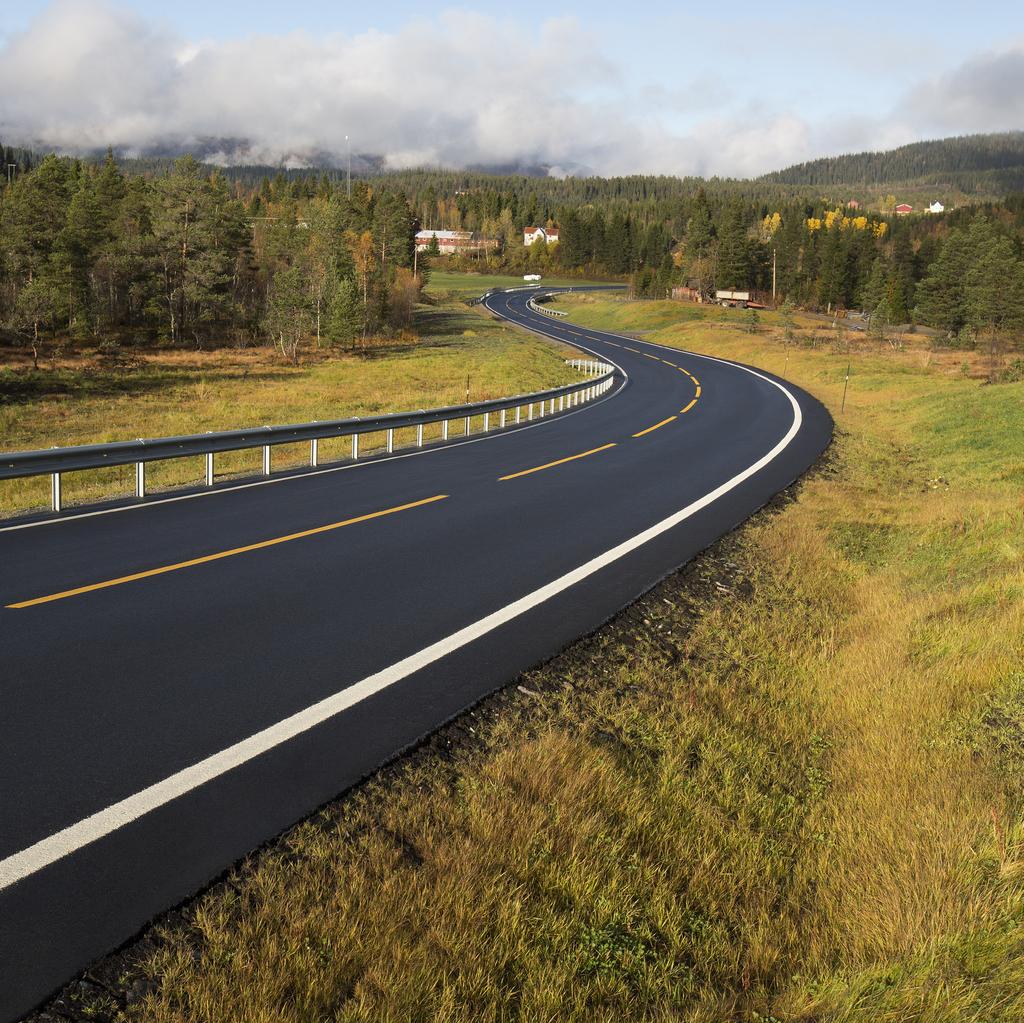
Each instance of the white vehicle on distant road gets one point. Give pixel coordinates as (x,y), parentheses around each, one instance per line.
(531,277)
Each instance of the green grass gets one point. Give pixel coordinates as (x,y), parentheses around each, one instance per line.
(786,785)
(449,284)
(177,392)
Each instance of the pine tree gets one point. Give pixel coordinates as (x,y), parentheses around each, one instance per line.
(733,252)
(346,321)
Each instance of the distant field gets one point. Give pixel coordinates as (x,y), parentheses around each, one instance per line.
(617,313)
(464,286)
(81,401)
(788,785)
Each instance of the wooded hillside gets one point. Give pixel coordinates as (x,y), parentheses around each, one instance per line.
(986,164)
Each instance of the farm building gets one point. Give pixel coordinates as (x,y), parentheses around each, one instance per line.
(903,209)
(531,234)
(936,207)
(449,242)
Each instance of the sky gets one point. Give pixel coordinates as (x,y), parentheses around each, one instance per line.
(577,87)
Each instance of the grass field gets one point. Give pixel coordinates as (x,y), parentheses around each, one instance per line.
(445,284)
(80,400)
(785,786)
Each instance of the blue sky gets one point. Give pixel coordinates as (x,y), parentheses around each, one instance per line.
(660,87)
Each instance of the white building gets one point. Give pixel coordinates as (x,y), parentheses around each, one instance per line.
(447,241)
(936,207)
(450,242)
(531,234)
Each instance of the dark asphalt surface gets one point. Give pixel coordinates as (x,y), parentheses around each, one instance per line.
(106,693)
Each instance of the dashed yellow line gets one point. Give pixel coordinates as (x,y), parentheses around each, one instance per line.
(655,427)
(647,355)
(225,554)
(688,407)
(551,465)
(697,392)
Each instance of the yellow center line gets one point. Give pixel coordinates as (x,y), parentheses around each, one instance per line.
(550,465)
(698,390)
(647,355)
(688,407)
(672,364)
(655,427)
(225,554)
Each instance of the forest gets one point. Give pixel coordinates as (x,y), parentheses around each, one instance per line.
(973,163)
(188,257)
(193,255)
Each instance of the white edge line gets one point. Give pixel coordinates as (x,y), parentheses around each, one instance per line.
(90,829)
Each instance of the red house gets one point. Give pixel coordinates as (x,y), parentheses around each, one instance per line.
(903,209)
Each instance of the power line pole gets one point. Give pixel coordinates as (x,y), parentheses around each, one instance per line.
(11,168)
(773,276)
(846,382)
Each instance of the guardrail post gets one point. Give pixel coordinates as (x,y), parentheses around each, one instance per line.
(266,459)
(519,414)
(444,429)
(487,421)
(355,446)
(140,479)
(542,403)
(466,434)
(529,413)
(419,436)
(501,420)
(391,440)
(552,408)
(314,453)
(55,502)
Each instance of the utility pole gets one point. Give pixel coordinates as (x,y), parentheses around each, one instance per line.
(348,177)
(846,383)
(773,276)
(11,168)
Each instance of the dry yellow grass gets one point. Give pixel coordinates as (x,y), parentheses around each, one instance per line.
(787,785)
(81,401)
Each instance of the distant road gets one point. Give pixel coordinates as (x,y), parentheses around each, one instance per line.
(302,631)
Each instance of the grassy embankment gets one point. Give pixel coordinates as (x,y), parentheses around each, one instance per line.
(80,398)
(787,785)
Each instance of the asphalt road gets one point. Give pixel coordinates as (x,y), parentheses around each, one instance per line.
(155,730)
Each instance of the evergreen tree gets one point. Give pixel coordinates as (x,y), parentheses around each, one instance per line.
(733,252)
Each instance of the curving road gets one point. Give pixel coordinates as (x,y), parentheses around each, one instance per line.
(157,729)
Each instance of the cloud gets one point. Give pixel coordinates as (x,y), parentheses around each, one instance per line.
(985,93)
(455,89)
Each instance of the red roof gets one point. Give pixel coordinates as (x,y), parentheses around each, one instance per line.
(904,207)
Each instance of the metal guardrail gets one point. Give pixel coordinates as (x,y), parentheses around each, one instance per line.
(532,303)
(54,462)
